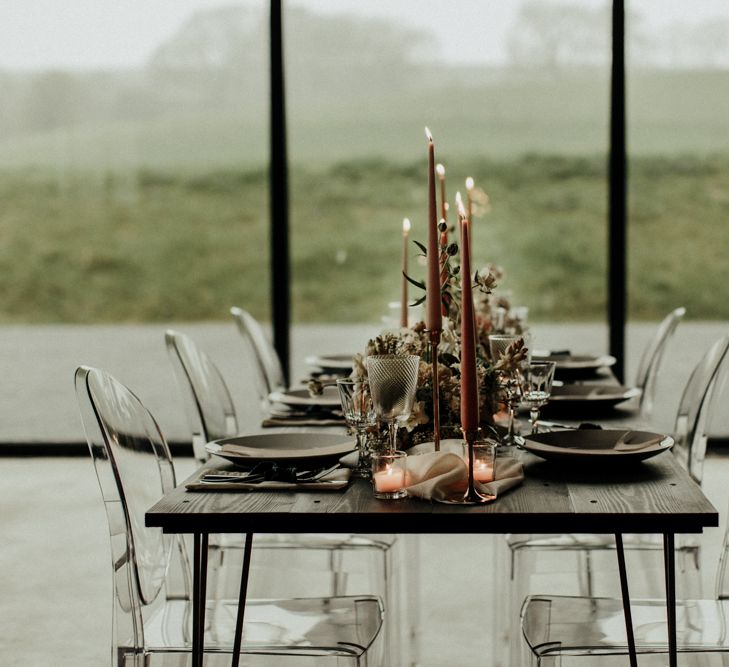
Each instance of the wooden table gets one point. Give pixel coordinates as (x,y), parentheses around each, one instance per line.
(656,496)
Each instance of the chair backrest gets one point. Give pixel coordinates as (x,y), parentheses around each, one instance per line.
(650,361)
(270,373)
(696,406)
(134,469)
(208,404)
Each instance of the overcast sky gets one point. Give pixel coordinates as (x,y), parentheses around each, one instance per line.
(122,33)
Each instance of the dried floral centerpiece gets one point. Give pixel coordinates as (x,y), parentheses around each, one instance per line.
(416,340)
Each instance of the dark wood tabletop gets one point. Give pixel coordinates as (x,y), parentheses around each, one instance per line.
(653,496)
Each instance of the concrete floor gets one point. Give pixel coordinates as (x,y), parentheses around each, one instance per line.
(54,565)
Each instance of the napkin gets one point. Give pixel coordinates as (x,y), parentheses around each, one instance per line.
(333,481)
(441,475)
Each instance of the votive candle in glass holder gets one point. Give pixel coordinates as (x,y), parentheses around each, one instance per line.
(484,457)
(389,474)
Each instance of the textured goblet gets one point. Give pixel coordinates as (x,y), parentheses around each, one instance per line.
(393,380)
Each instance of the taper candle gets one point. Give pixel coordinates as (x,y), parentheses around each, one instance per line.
(469,198)
(469,379)
(433,320)
(440,170)
(404,289)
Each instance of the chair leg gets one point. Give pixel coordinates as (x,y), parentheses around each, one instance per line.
(411,552)
(339,576)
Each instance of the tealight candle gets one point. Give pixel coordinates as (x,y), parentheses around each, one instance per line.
(389,479)
(388,475)
(483,472)
(484,454)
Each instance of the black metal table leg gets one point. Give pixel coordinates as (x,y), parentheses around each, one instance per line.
(670,570)
(199,590)
(242,599)
(626,600)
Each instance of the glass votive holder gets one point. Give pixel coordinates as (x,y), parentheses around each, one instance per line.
(484,459)
(389,471)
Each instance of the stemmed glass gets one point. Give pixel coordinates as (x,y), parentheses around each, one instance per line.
(393,380)
(510,381)
(537,388)
(360,414)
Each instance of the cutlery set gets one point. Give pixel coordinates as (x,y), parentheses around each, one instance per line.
(270,474)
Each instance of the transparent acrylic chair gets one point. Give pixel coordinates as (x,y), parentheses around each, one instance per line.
(562,630)
(151,575)
(692,415)
(343,563)
(269,376)
(646,378)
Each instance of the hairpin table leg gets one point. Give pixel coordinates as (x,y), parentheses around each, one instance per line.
(626,600)
(670,569)
(200,567)
(242,600)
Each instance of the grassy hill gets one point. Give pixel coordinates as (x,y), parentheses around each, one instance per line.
(155,245)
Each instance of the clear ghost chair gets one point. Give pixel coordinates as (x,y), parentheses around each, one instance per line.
(650,361)
(151,610)
(562,630)
(269,376)
(692,416)
(334,564)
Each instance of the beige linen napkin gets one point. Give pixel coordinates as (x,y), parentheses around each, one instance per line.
(442,475)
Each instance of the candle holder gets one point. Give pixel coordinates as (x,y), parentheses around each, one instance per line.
(472,496)
(434,342)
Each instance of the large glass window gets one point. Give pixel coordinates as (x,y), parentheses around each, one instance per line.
(133,151)
(516,96)
(678,141)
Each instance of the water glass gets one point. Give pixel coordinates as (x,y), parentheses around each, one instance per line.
(538,376)
(360,415)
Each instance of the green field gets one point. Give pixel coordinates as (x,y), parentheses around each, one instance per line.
(162,244)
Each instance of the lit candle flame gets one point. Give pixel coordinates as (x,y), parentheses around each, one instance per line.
(428,135)
(440,170)
(405,225)
(459,206)
(469,183)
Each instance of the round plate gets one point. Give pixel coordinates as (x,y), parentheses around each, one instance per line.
(597,445)
(331,362)
(301,398)
(589,396)
(578,362)
(288,447)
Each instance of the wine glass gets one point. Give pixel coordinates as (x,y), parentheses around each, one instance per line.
(393,380)
(537,389)
(510,380)
(360,414)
